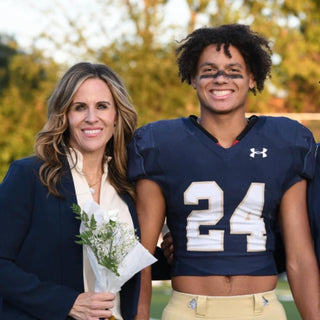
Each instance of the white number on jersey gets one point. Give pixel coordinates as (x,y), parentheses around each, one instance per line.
(246,219)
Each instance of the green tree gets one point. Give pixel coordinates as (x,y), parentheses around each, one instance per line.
(293,26)
(8,48)
(140,46)
(147,64)
(23,105)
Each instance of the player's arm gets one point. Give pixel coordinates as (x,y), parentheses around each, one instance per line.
(302,269)
(151,213)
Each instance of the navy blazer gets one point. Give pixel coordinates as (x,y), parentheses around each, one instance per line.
(40,263)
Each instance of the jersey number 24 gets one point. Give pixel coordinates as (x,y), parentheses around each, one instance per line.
(246,218)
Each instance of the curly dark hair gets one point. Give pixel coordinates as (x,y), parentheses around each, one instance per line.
(254,48)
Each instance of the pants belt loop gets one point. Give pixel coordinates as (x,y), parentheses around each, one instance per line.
(258,303)
(201,306)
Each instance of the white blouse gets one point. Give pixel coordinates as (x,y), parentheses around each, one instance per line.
(109,200)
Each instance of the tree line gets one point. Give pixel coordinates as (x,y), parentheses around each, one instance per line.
(147,63)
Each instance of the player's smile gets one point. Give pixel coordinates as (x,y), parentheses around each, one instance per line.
(222,82)
(218,94)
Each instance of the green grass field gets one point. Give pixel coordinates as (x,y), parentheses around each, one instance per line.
(161,292)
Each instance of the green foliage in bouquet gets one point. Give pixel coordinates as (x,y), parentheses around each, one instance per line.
(110,240)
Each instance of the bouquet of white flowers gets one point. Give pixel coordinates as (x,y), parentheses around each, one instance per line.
(113,249)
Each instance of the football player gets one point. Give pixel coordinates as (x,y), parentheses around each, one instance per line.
(223,182)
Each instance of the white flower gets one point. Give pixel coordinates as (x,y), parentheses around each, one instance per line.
(111,215)
(113,249)
(109,239)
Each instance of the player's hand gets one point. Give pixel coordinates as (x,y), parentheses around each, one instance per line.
(167,247)
(92,306)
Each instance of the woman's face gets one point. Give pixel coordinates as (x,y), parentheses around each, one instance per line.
(92,117)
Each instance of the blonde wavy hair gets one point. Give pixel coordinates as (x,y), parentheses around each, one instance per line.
(52,142)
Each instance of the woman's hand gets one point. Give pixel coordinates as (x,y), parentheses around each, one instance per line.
(92,306)
(167,247)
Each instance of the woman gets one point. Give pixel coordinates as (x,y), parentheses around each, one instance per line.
(80,154)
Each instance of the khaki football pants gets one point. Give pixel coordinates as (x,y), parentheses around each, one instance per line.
(260,306)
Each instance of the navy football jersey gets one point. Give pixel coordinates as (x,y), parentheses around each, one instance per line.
(314,206)
(222,204)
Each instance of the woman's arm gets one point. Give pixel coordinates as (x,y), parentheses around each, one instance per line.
(23,214)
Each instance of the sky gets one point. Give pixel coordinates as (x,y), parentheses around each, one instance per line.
(25,19)
(20,19)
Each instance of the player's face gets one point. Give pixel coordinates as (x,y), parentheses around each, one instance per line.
(91,117)
(222,83)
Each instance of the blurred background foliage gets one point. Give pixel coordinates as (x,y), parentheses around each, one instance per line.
(142,51)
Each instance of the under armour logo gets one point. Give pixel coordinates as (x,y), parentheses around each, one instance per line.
(254,152)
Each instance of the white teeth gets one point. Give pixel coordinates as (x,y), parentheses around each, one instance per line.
(91,131)
(221,93)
